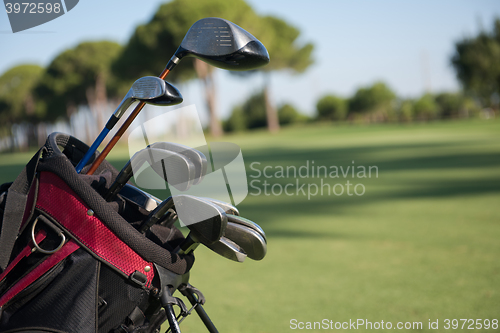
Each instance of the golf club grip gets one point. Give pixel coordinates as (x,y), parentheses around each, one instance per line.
(119,182)
(121,131)
(156,214)
(201,312)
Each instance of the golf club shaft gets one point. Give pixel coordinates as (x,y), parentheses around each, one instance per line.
(156,214)
(121,131)
(92,150)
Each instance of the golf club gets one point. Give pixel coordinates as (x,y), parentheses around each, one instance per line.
(215,41)
(139,198)
(150,89)
(252,243)
(197,157)
(247,223)
(246,234)
(228,249)
(156,214)
(223,246)
(148,202)
(228,208)
(181,170)
(206,222)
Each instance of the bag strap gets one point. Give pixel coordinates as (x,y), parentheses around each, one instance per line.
(15,206)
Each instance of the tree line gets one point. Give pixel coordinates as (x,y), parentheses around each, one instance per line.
(98,73)
(476,62)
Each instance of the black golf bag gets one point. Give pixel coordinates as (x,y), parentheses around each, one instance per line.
(71,261)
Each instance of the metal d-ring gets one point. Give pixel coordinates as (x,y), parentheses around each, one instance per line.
(60,233)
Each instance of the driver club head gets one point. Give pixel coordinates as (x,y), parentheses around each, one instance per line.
(228,249)
(222,44)
(254,245)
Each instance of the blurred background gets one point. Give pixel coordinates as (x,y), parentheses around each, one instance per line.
(410,87)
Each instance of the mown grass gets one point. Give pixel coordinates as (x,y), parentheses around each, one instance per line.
(422,243)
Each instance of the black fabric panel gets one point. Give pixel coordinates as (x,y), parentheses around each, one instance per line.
(59,164)
(120,297)
(15,205)
(165,236)
(3,197)
(33,330)
(67,304)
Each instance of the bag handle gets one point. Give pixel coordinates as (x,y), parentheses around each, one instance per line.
(15,206)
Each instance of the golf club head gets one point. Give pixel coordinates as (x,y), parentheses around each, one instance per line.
(254,245)
(171,96)
(228,208)
(228,249)
(139,198)
(206,221)
(247,223)
(198,158)
(146,88)
(222,44)
(175,168)
(172,167)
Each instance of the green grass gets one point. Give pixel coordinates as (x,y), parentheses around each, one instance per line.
(422,243)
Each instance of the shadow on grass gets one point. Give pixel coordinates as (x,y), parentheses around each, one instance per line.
(291,234)
(433,182)
(364,156)
(429,184)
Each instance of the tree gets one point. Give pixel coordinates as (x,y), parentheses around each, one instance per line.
(280,39)
(477,65)
(152,44)
(17,103)
(450,104)
(252,114)
(254,111)
(372,98)
(331,107)
(236,122)
(288,114)
(16,92)
(78,76)
(426,108)
(405,110)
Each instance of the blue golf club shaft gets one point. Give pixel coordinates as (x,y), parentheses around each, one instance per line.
(110,124)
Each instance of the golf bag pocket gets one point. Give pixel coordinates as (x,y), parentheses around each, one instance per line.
(69,262)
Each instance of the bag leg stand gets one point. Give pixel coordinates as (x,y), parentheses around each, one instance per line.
(166,301)
(197,299)
(169,282)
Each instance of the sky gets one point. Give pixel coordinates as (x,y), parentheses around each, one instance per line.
(407,44)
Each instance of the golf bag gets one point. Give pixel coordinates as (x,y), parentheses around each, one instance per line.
(71,261)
